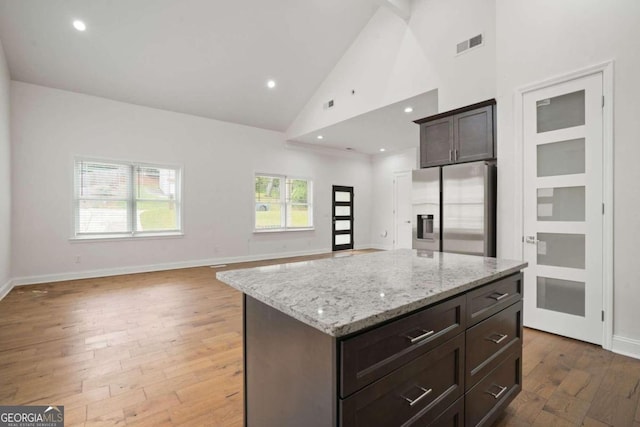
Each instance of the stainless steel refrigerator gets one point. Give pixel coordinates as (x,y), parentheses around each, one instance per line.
(454,208)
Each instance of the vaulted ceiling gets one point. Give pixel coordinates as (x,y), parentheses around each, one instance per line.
(209,58)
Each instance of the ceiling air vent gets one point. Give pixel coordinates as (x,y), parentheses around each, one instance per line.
(469,44)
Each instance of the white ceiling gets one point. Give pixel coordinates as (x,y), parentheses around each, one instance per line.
(388,127)
(209,58)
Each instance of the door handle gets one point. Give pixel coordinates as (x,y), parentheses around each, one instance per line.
(424,394)
(531,239)
(497,296)
(425,334)
(498,394)
(408,222)
(495,340)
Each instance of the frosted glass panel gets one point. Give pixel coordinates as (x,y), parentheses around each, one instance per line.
(343,239)
(343,225)
(343,211)
(565,296)
(343,196)
(561,158)
(561,250)
(560,112)
(561,204)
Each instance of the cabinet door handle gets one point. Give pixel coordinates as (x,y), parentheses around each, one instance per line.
(499,296)
(451,155)
(419,398)
(499,340)
(498,394)
(420,337)
(455,155)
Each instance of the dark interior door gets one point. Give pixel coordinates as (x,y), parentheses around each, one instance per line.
(342,235)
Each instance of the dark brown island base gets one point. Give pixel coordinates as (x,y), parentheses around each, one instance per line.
(395,338)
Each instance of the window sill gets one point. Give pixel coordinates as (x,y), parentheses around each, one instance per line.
(118,237)
(283,230)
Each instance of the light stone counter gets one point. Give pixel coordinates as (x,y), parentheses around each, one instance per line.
(343,295)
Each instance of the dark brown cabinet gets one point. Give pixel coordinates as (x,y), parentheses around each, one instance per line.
(463,135)
(371,355)
(413,395)
(457,362)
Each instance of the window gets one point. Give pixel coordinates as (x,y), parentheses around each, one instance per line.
(119,199)
(283,203)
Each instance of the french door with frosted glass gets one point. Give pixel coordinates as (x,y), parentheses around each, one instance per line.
(342,233)
(563,175)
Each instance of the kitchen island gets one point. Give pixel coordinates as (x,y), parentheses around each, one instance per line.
(394,338)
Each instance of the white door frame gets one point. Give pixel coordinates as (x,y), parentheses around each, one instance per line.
(395,205)
(607,70)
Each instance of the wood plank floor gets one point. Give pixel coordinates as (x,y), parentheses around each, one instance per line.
(165,349)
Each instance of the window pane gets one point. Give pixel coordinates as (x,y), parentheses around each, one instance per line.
(102,180)
(156,216)
(561,158)
(154,183)
(268,203)
(102,216)
(298,216)
(561,250)
(343,239)
(268,216)
(343,196)
(343,225)
(564,296)
(342,211)
(298,190)
(561,204)
(560,112)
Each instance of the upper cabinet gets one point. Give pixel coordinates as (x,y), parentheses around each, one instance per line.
(463,135)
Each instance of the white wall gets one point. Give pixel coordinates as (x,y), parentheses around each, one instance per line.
(51,126)
(539,40)
(392,60)
(5,177)
(382,218)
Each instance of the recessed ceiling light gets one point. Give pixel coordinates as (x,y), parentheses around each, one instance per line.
(79,25)
(382,150)
(408,110)
(271,84)
(320,137)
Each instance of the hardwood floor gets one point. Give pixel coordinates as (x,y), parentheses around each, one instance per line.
(163,349)
(572,383)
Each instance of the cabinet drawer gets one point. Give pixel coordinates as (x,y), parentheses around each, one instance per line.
(371,355)
(492,298)
(413,395)
(490,340)
(492,394)
(453,416)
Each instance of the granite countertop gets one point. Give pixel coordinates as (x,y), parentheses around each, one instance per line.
(343,295)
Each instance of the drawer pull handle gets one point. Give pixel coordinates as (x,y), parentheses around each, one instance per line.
(420,337)
(499,340)
(499,296)
(498,394)
(419,398)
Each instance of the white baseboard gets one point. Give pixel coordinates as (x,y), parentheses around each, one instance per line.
(381,247)
(626,346)
(89,274)
(6,288)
